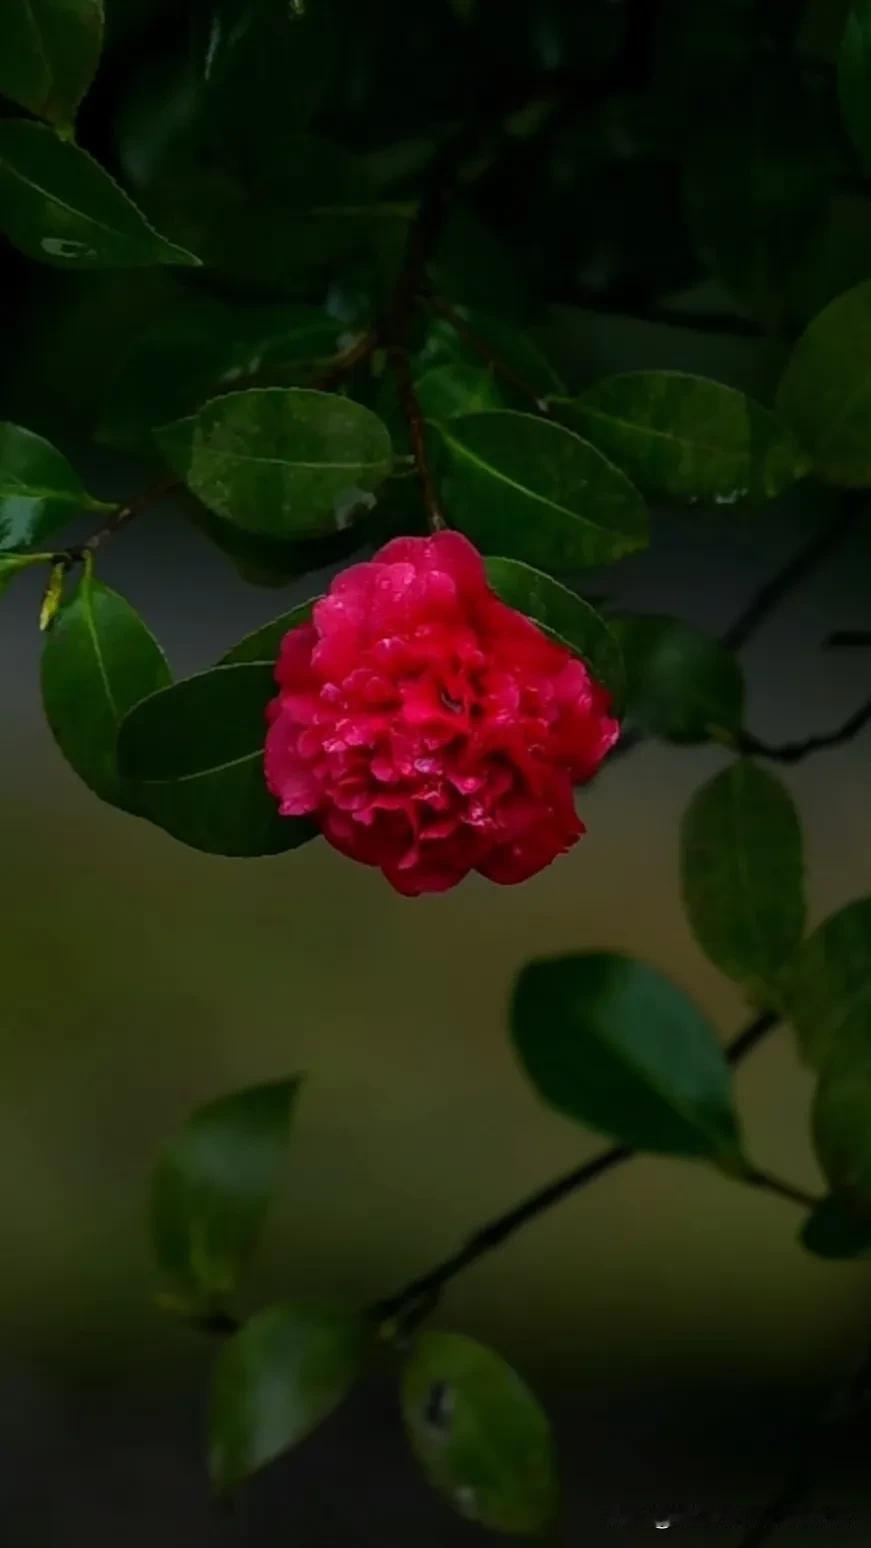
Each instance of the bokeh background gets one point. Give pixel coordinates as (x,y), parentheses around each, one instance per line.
(669,1318)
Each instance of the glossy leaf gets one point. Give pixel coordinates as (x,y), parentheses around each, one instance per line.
(854,78)
(276,1380)
(833,1231)
(212,1188)
(680,684)
(479,1434)
(264,644)
(612,1044)
(59,206)
(49,54)
(194,754)
(287,462)
(682,437)
(842,1119)
(830,983)
(99,659)
(39,491)
(448,391)
(537,492)
(743,874)
(825,393)
(562,614)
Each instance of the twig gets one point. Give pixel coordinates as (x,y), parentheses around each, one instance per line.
(417,433)
(848,639)
(796,752)
(344,363)
(119,519)
(808,558)
(418,1296)
(499,366)
(757,1178)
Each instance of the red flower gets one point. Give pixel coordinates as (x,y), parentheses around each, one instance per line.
(430,729)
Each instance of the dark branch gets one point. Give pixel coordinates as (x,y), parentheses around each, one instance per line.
(499,366)
(119,519)
(808,559)
(796,752)
(849,639)
(417,435)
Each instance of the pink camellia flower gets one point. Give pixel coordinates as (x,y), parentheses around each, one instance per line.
(430,729)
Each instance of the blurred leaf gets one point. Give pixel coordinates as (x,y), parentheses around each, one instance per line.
(680,684)
(743,875)
(537,491)
(830,983)
(287,462)
(276,1380)
(682,437)
(99,659)
(565,616)
(479,1434)
(832,1231)
(822,28)
(194,754)
(612,1044)
(825,393)
(446,392)
(59,206)
(842,1119)
(49,55)
(512,345)
(264,644)
(175,367)
(854,78)
(838,257)
(39,491)
(212,1187)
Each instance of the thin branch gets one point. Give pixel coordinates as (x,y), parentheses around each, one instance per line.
(120,518)
(796,752)
(848,639)
(417,433)
(422,1293)
(757,1178)
(345,362)
(499,366)
(803,563)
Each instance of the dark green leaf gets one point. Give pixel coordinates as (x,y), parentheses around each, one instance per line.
(39,491)
(275,1380)
(49,54)
(854,78)
(680,684)
(564,615)
(212,1187)
(263,644)
(842,1119)
(830,984)
(743,874)
(287,462)
(98,661)
(833,1231)
(683,437)
(194,754)
(825,394)
(537,492)
(59,206)
(513,346)
(615,1046)
(479,1434)
(445,392)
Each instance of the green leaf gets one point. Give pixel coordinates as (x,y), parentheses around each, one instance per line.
(612,1044)
(276,1380)
(39,491)
(562,614)
(194,755)
(446,392)
(287,463)
(263,644)
(841,1120)
(680,684)
(743,874)
(825,393)
(99,659)
(682,437)
(479,1434)
(832,1231)
(537,492)
(60,206)
(50,52)
(512,345)
(854,78)
(830,984)
(212,1187)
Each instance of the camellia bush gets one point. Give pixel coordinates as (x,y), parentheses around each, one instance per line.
(307,268)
